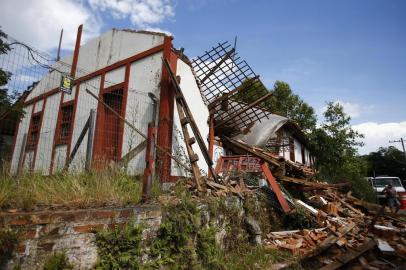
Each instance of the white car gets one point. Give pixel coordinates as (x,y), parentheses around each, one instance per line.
(380,182)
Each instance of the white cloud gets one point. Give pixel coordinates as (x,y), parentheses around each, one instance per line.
(39,22)
(354,110)
(142,13)
(377,135)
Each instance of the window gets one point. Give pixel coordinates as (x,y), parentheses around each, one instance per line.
(33,135)
(65,126)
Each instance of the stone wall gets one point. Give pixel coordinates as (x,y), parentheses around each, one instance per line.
(71,231)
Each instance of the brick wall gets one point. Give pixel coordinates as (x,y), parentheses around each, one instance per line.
(71,231)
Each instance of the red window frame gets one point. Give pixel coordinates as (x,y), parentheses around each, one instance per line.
(34,131)
(65,124)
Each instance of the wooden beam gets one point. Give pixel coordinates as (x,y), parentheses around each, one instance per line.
(133,152)
(211,72)
(350,255)
(234,115)
(245,148)
(275,187)
(227,95)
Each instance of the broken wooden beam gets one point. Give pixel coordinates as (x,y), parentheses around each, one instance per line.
(229,94)
(247,149)
(350,255)
(244,109)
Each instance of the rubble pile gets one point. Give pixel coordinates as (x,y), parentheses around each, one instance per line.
(347,235)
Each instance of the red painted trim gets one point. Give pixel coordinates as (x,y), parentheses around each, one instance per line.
(211,141)
(41,113)
(75,105)
(98,142)
(123,109)
(76,52)
(165,117)
(101,71)
(275,187)
(57,127)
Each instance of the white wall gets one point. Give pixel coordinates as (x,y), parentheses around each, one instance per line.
(199,111)
(85,103)
(46,138)
(59,158)
(110,47)
(22,129)
(145,76)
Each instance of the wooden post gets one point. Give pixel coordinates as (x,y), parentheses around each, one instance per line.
(90,134)
(21,157)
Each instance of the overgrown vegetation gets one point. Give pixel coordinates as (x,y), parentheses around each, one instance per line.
(31,191)
(186,239)
(335,146)
(58,261)
(8,242)
(119,248)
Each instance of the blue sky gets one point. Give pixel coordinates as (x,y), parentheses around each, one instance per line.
(353,52)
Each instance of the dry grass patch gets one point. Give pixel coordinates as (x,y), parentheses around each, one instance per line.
(34,191)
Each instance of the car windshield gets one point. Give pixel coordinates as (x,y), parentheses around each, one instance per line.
(382,182)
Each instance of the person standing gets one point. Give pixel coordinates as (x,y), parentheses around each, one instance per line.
(391,198)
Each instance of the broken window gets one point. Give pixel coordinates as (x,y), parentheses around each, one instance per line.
(34,131)
(65,126)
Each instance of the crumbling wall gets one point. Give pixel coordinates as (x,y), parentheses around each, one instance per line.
(43,233)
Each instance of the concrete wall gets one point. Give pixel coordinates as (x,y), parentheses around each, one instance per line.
(44,148)
(110,47)
(200,113)
(145,77)
(72,232)
(22,129)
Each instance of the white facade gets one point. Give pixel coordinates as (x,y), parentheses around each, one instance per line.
(97,54)
(200,113)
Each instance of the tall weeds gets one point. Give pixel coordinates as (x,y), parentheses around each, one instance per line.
(32,191)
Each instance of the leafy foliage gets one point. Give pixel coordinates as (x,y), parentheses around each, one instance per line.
(386,161)
(284,102)
(119,248)
(58,261)
(174,244)
(8,242)
(334,144)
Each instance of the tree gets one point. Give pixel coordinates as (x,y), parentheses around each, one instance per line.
(335,144)
(284,102)
(386,161)
(8,100)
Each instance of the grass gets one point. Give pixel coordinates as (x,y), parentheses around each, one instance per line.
(33,191)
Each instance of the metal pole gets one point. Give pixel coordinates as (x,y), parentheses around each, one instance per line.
(89,148)
(58,56)
(403,146)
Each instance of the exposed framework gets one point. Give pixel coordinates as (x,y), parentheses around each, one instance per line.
(228,85)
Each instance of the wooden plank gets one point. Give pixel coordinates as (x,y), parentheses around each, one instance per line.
(133,153)
(187,113)
(211,71)
(275,187)
(242,110)
(248,149)
(227,95)
(350,255)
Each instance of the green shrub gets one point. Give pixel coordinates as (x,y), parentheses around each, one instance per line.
(8,242)
(58,261)
(119,248)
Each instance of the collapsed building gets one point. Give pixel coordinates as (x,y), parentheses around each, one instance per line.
(134,101)
(120,80)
